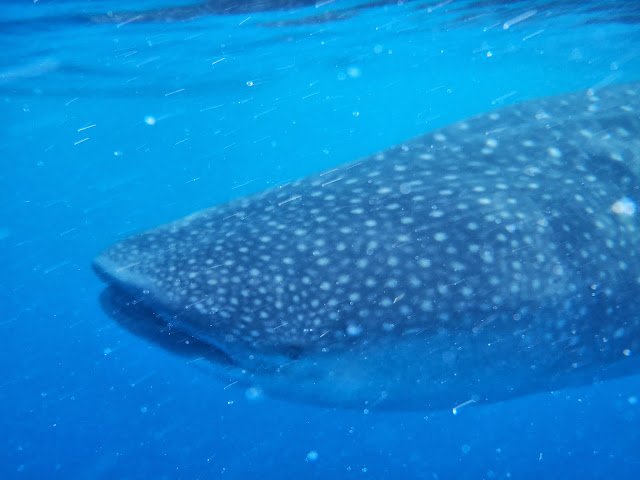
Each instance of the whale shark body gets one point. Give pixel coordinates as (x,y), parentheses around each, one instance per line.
(488,259)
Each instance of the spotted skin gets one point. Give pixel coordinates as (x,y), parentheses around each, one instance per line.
(488,259)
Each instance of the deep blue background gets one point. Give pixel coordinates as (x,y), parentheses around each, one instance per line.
(80,398)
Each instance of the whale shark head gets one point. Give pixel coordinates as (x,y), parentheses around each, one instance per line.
(488,259)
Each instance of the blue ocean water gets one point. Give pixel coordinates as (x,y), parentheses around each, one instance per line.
(112,124)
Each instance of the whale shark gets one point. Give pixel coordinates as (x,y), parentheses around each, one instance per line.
(488,259)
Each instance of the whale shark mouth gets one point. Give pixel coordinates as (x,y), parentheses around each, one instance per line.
(132,309)
(138,318)
(153,319)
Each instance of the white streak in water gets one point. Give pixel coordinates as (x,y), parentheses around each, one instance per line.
(518,19)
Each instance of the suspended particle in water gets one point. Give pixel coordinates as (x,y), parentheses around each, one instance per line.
(150,120)
(354,72)
(624,206)
(253,394)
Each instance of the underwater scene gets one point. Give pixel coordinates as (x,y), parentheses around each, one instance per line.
(320,239)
